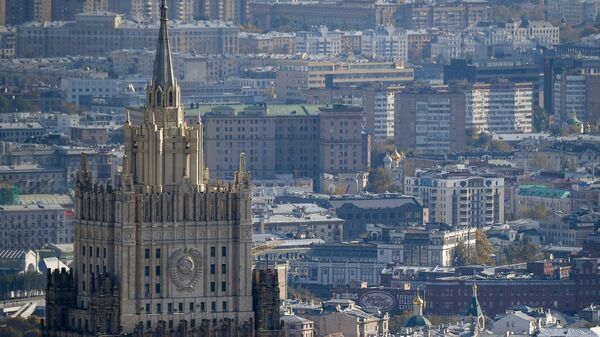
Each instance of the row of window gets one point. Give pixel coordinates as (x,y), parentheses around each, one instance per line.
(191,307)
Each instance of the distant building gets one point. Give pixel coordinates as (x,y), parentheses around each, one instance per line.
(446,17)
(18,261)
(352,321)
(499,107)
(429,120)
(300,220)
(429,245)
(79,37)
(299,139)
(34,178)
(267,43)
(21,132)
(319,41)
(296,76)
(528,197)
(387,210)
(33,226)
(568,229)
(459,196)
(297,326)
(385,42)
(574,12)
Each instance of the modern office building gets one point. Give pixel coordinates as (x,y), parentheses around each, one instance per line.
(296,76)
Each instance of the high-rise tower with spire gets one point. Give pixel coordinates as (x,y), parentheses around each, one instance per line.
(162,251)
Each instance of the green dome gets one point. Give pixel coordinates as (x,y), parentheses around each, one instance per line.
(417,321)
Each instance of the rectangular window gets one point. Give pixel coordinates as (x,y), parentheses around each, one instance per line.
(147,253)
(192,307)
(212,287)
(223,251)
(158,308)
(97,251)
(158,253)
(202,307)
(147,289)
(157,270)
(192,322)
(148,324)
(158,288)
(213,251)
(180,307)
(213,269)
(83,268)
(223,286)
(224,305)
(170,308)
(223,268)
(213,306)
(104,252)
(83,250)
(90,251)
(147,271)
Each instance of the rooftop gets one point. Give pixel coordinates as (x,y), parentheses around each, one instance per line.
(542,192)
(243,110)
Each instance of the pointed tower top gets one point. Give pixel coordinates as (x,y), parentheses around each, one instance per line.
(163,68)
(242,163)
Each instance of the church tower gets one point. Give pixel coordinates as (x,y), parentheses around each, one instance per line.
(474,312)
(163,251)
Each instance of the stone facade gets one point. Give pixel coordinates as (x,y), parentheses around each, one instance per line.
(165,251)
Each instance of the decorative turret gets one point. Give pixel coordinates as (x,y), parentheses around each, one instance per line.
(417,319)
(474,311)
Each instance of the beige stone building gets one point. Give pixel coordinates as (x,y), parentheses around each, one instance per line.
(305,140)
(98,33)
(163,248)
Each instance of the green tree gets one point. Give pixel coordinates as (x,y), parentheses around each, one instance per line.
(396,322)
(381,181)
(483,250)
(536,212)
(540,120)
(499,146)
(521,251)
(461,254)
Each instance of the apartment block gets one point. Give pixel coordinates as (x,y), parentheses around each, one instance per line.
(459,196)
(499,107)
(385,42)
(429,120)
(448,17)
(319,41)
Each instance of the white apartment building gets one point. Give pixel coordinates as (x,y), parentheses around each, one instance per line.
(569,96)
(499,107)
(320,41)
(33,226)
(385,42)
(384,115)
(458,196)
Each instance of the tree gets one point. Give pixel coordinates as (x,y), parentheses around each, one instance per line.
(521,251)
(396,322)
(483,250)
(540,120)
(461,254)
(498,146)
(302,294)
(381,181)
(536,212)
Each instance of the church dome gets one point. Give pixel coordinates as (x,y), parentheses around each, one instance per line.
(396,156)
(417,321)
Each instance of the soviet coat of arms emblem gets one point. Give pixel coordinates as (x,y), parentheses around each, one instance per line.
(186,269)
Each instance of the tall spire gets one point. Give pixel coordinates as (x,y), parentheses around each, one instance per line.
(163,76)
